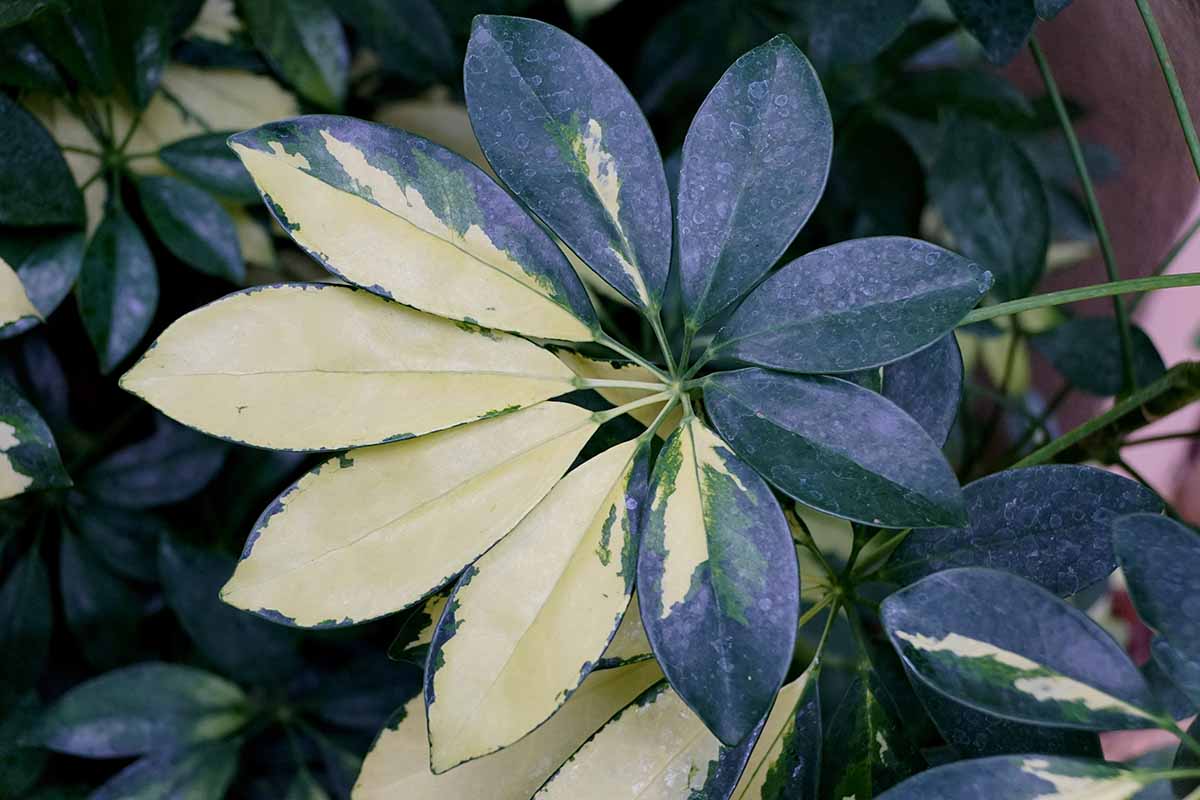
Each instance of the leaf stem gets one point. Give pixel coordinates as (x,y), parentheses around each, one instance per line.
(601,383)
(817,608)
(612,413)
(1039,423)
(685,355)
(1166,437)
(1093,206)
(1189,741)
(652,428)
(1129,286)
(656,325)
(1169,259)
(1168,71)
(1180,377)
(604,339)
(81,150)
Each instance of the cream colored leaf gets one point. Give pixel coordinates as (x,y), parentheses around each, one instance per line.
(323,367)
(629,643)
(14,302)
(216,22)
(597,369)
(398,764)
(535,613)
(656,749)
(773,737)
(375,530)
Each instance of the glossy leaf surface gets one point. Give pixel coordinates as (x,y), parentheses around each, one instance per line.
(754,165)
(207,161)
(29,459)
(47,268)
(411,221)
(382,527)
(565,136)
(663,750)
(529,620)
(36,187)
(993,203)
(1028,777)
(117,288)
(835,446)
(866,749)
(398,763)
(1087,352)
(1161,562)
(146,707)
(717,565)
(853,305)
(928,386)
(193,226)
(1002,644)
(321,367)
(1048,524)
(303,40)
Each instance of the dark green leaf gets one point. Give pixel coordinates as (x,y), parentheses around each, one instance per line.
(409,36)
(1048,524)
(836,447)
(26,620)
(171,465)
(207,161)
(854,31)
(975,734)
(876,184)
(1001,644)
(47,267)
(181,774)
(36,187)
(244,646)
(101,611)
(717,565)
(1087,351)
(786,761)
(1186,758)
(1049,9)
(117,288)
(125,540)
(361,693)
(993,203)
(150,707)
(1183,672)
(305,787)
(1021,778)
(1001,27)
(564,135)
(928,386)
(866,749)
(29,460)
(304,42)
(986,96)
(14,12)
(141,36)
(1161,562)
(857,304)
(25,65)
(193,226)
(754,165)
(76,36)
(20,766)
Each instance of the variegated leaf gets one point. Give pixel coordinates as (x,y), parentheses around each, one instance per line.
(786,761)
(530,619)
(655,749)
(323,367)
(754,165)
(379,528)
(398,762)
(412,221)
(566,137)
(15,306)
(629,644)
(597,369)
(1004,645)
(416,633)
(717,565)
(1023,778)
(29,459)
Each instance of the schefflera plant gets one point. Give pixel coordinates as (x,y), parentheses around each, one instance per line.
(432,376)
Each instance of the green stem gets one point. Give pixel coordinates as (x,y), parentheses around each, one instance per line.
(599,383)
(1189,741)
(656,325)
(1130,286)
(685,355)
(1039,423)
(95,176)
(704,358)
(1166,437)
(1093,207)
(1168,71)
(612,344)
(989,430)
(81,150)
(662,415)
(820,606)
(1176,388)
(1169,259)
(612,413)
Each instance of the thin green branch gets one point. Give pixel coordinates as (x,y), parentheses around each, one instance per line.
(1039,423)
(656,325)
(820,606)
(1189,741)
(1169,259)
(1093,207)
(1166,437)
(652,428)
(602,383)
(612,413)
(1168,71)
(1130,286)
(612,344)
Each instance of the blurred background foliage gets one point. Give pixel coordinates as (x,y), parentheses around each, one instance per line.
(121,209)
